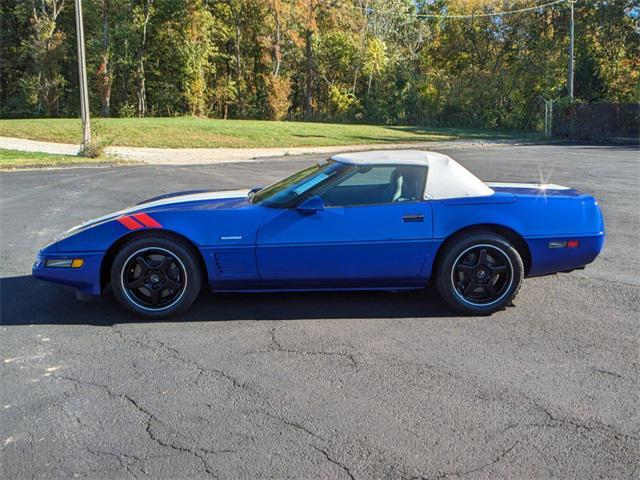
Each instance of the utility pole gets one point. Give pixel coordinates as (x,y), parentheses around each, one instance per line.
(570,79)
(82,74)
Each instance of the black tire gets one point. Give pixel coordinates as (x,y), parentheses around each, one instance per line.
(156,276)
(479,274)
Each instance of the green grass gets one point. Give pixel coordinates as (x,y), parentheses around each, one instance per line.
(184,132)
(12,159)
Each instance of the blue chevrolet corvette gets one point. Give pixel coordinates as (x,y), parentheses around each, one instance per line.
(380,220)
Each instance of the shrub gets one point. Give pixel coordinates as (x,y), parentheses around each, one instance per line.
(127,110)
(279,92)
(596,121)
(93,150)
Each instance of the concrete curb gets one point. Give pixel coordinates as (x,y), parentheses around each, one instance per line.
(192,156)
(24,145)
(195,156)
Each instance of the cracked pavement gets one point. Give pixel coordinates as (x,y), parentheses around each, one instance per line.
(321,385)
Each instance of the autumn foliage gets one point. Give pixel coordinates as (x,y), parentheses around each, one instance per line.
(375,61)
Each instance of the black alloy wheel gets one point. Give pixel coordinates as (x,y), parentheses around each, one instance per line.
(479,273)
(482,274)
(154,278)
(156,275)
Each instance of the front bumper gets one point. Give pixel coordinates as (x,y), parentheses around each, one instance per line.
(86,278)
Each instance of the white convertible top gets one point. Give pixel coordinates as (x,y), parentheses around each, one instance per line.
(446,178)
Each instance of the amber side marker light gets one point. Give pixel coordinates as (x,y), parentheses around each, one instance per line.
(565,244)
(64,263)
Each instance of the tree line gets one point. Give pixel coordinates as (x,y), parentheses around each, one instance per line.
(373,61)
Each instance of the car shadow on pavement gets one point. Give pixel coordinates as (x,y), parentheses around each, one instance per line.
(27,301)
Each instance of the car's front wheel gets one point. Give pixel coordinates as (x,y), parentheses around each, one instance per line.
(156,276)
(479,274)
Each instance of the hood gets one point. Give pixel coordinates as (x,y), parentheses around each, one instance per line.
(194,196)
(208,198)
(175,194)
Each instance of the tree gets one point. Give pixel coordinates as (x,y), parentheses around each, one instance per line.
(307,12)
(198,50)
(99,23)
(44,50)
(375,60)
(347,60)
(143,15)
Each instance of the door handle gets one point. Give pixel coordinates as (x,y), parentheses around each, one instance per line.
(418,217)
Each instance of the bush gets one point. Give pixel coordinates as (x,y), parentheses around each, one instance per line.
(279,92)
(596,121)
(93,150)
(127,110)
(99,141)
(344,104)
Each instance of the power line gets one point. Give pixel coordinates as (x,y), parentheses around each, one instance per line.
(494,14)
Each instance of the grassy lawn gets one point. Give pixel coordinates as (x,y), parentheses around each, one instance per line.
(11,159)
(186,132)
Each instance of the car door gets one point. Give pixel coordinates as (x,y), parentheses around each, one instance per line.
(366,235)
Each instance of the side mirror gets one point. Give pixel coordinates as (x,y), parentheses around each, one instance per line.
(312,204)
(253,191)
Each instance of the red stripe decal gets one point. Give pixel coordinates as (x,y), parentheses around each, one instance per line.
(130,223)
(146,220)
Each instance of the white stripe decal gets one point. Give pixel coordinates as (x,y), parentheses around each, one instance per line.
(541,186)
(194,197)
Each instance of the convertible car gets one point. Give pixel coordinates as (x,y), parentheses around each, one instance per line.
(379,220)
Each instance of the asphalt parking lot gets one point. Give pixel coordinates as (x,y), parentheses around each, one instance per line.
(321,385)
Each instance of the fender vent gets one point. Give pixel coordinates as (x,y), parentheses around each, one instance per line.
(235,263)
(216,258)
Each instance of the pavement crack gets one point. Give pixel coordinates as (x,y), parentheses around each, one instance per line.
(501,456)
(174,353)
(198,453)
(150,417)
(607,372)
(73,417)
(343,467)
(120,457)
(558,421)
(301,428)
(277,346)
(457,473)
(295,425)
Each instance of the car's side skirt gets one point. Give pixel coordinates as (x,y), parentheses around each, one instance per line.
(319,289)
(336,285)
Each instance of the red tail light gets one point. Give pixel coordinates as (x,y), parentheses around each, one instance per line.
(564,244)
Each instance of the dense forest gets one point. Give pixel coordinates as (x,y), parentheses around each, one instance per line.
(373,61)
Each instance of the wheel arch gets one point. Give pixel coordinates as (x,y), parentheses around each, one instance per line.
(511,235)
(107,260)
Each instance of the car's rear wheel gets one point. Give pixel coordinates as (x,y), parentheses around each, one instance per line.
(156,276)
(479,274)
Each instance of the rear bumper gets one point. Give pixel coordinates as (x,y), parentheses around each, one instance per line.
(86,278)
(545,260)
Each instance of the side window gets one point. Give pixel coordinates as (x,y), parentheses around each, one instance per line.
(377,185)
(369,176)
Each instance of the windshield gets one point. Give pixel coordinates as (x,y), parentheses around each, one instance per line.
(282,193)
